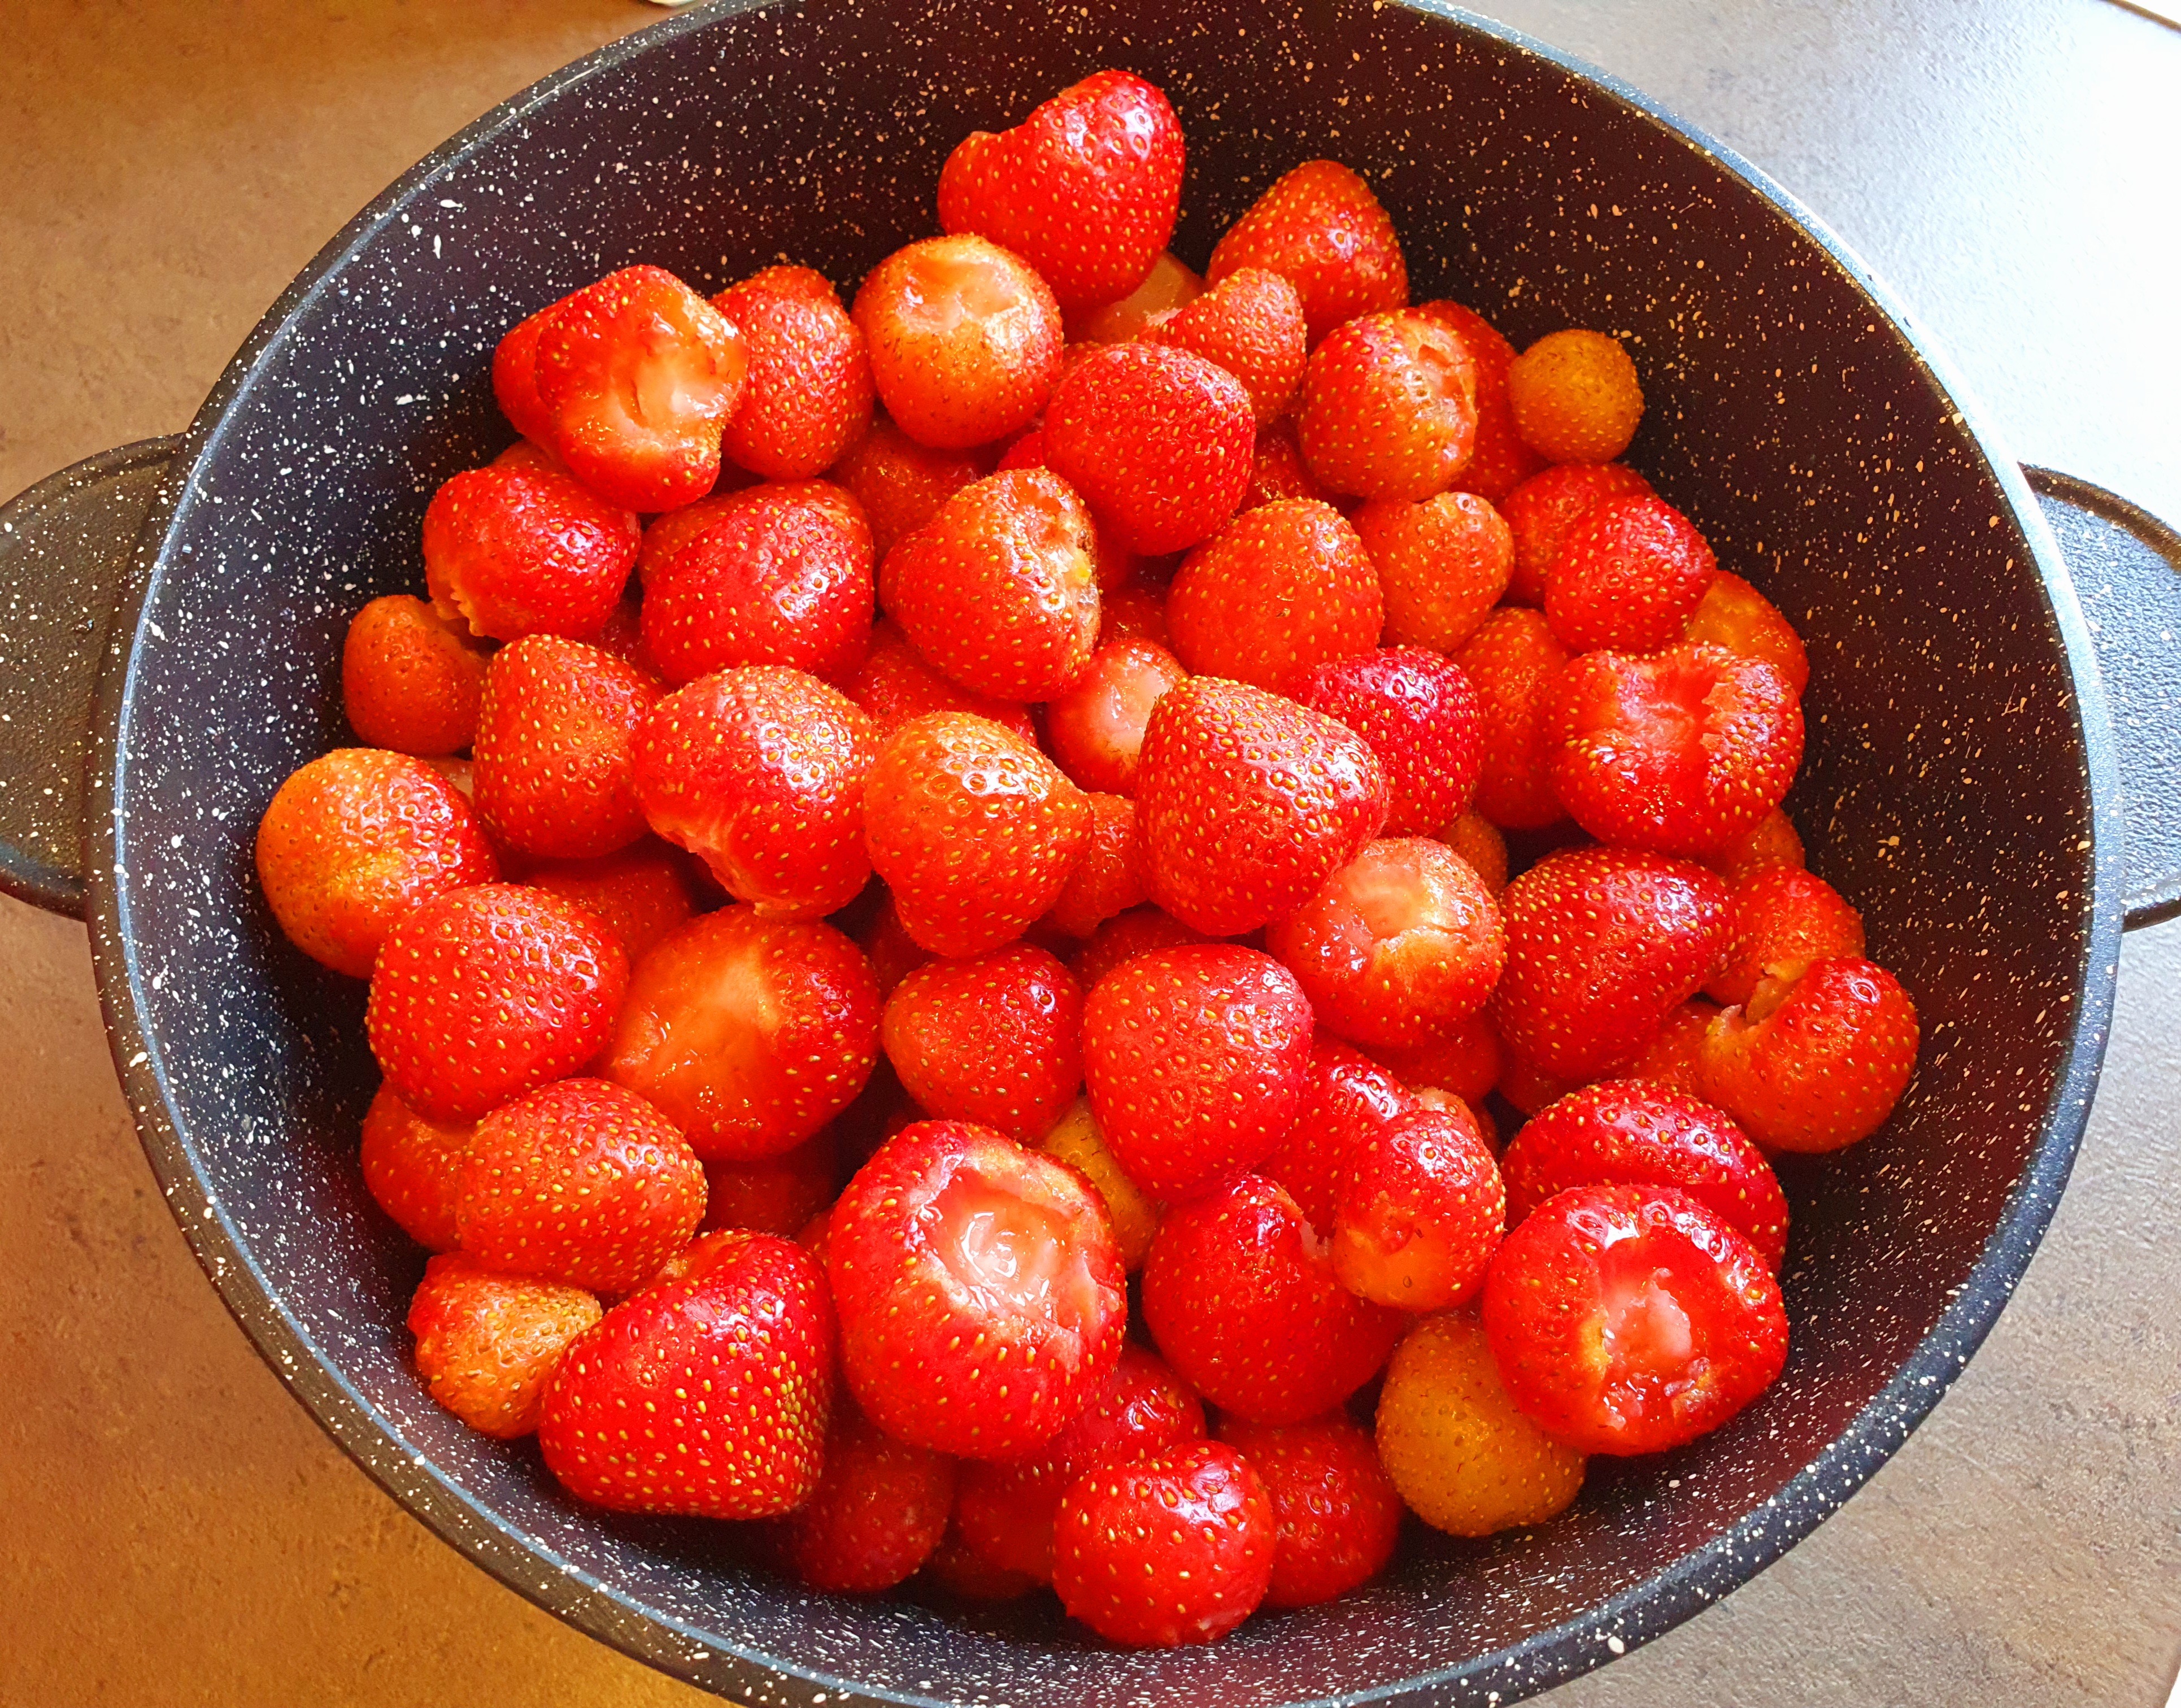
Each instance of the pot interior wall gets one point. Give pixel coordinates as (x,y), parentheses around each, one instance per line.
(1946,793)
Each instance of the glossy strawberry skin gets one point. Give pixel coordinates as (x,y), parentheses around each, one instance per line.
(1511,661)
(1601,944)
(484,993)
(1095,727)
(411,677)
(552,753)
(731,1367)
(1813,1063)
(1629,575)
(1422,1211)
(1542,509)
(1279,472)
(1322,229)
(1388,407)
(809,395)
(995,1040)
(759,772)
(1442,563)
(1248,802)
(1783,916)
(877,1514)
(1251,324)
(981,1298)
(520,552)
(896,683)
(412,1168)
(1347,1099)
(1279,590)
(973,830)
(1085,190)
(774,1194)
(1339,1515)
(1159,442)
(1464,1061)
(1126,936)
(1169,285)
(1108,877)
(1167,1550)
(1420,716)
(1243,1303)
(1735,615)
(515,377)
(1499,461)
(1196,1059)
(901,484)
(639,894)
(489,1343)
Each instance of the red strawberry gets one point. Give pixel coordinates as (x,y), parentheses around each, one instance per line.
(1085,190)
(1669,1060)
(411,678)
(1095,727)
(1574,396)
(1782,918)
(1420,716)
(515,377)
(809,393)
(1339,1515)
(1512,661)
(1108,877)
(1196,1057)
(1681,752)
(749,1034)
(1160,443)
(969,1575)
(1629,575)
(1250,323)
(1500,460)
(1135,611)
(1166,1551)
(896,683)
(964,339)
(876,1516)
(900,484)
(1442,564)
(526,453)
(973,830)
(999,590)
(1735,615)
(640,894)
(981,1298)
(1388,407)
(1126,936)
(521,552)
(1772,842)
(894,953)
(1347,1099)
(1241,1298)
(1279,590)
(1007,1507)
(488,1344)
(1529,1089)
(1169,285)
(1632,1319)
(353,840)
(1422,1212)
(1816,1060)
(1464,1061)
(1321,229)
(994,1040)
(774,1194)
(1601,944)
(760,772)
(1279,472)
(666,535)
(484,993)
(730,1367)
(1542,508)
(554,741)
(412,1168)
(1249,802)
(1477,840)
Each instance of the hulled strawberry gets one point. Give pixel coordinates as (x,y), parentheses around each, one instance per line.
(1108,877)
(1339,1515)
(411,677)
(641,893)
(1575,396)
(1170,285)
(1629,575)
(1783,918)
(1735,615)
(1251,324)
(1511,661)
(900,484)
(995,1040)
(1279,472)
(1442,563)
(412,1168)
(1419,713)
(808,397)
(1347,1099)
(1421,1211)
(774,1194)
(877,1514)
(489,1343)
(1544,509)
(1817,1059)
(1320,228)
(1280,590)
(554,748)
(518,551)
(1126,936)
(1388,407)
(896,683)
(1500,461)
(515,377)
(1095,728)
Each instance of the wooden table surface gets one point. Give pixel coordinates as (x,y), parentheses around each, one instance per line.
(181,1533)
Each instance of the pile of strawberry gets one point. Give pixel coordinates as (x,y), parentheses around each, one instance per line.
(1228,625)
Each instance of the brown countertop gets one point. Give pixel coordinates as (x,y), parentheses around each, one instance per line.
(181,1533)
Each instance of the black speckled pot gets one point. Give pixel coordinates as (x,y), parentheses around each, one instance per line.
(1963,785)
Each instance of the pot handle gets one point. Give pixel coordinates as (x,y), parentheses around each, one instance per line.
(65,546)
(2126,566)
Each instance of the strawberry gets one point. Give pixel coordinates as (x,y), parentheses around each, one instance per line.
(1511,661)
(963,339)
(515,377)
(1175,1549)
(877,1514)
(1681,752)
(1196,1059)
(973,830)
(775,580)
(808,397)
(1113,565)
(1388,407)
(1530,1089)
(411,678)
(1279,472)
(1242,1300)
(1279,590)
(519,552)
(1135,611)
(1601,944)
(1442,564)
(1499,461)
(412,1168)
(666,536)
(1075,1140)
(1781,919)
(1632,1319)
(1629,575)
(1477,840)
(1108,877)
(1321,229)
(1735,615)
(554,746)
(1817,1058)
(526,453)
(1248,802)
(1338,1512)
(1628,1132)
(894,953)
(1250,323)
(773,1195)
(1670,1061)
(1576,397)
(1169,285)
(999,590)
(639,894)
(896,683)
(1006,1507)
(760,772)
(353,840)
(1418,714)
(748,1033)
(982,1301)
(993,1040)
(580,1182)
(1464,1059)
(958,1570)
(1159,442)
(1772,841)
(488,1344)
(730,1367)
(1542,508)
(900,484)
(1095,727)
(1396,947)
(1085,190)
(637,374)
(1126,936)
(1347,1099)
(1422,1211)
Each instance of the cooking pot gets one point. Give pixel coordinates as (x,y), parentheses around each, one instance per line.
(183,601)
